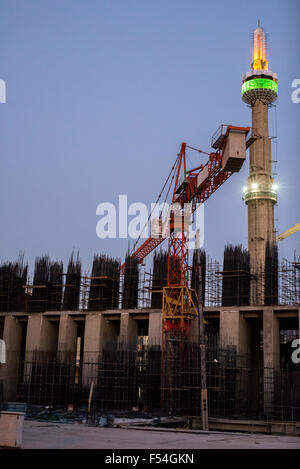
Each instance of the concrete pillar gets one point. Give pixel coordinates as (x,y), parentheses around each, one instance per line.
(12,335)
(271,336)
(109,335)
(254,361)
(93,334)
(155,329)
(235,330)
(99,334)
(41,339)
(42,335)
(194,331)
(92,347)
(67,336)
(128,330)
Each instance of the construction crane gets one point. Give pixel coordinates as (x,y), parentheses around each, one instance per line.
(192,186)
(289,232)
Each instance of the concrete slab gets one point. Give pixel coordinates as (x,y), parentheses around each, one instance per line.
(60,436)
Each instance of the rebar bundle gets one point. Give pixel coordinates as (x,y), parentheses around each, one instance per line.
(55,286)
(130,284)
(236,276)
(159,279)
(104,285)
(72,285)
(13,276)
(227,285)
(46,291)
(40,289)
(271,274)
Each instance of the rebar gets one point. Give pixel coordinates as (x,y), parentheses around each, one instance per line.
(159,279)
(127,380)
(130,286)
(236,276)
(72,286)
(13,275)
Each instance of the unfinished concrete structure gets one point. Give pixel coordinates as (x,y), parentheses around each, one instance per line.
(109,316)
(53,355)
(79,337)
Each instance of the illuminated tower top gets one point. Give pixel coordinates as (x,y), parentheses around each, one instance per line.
(259,49)
(259,83)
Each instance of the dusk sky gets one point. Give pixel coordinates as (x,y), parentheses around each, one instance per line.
(101,93)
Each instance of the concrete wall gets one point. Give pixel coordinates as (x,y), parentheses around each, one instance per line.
(271,332)
(101,331)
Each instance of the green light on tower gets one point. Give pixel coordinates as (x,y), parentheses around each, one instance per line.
(258,84)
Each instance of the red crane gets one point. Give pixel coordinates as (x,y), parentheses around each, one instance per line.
(192,186)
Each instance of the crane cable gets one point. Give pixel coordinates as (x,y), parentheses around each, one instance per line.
(173,169)
(158,198)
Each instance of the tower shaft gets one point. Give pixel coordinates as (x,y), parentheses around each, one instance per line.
(261,207)
(261,201)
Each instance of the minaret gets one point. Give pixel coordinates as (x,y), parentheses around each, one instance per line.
(259,90)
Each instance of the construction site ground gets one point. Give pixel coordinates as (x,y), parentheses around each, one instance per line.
(46,435)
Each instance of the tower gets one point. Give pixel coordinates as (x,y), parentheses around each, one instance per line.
(259,90)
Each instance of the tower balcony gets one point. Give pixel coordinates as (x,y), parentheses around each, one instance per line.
(258,191)
(259,87)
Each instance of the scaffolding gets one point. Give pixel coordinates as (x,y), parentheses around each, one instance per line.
(106,287)
(278,286)
(289,282)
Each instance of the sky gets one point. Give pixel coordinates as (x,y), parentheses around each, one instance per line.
(100,95)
